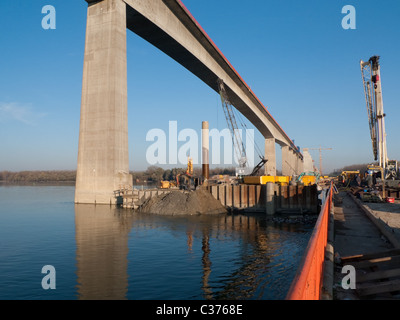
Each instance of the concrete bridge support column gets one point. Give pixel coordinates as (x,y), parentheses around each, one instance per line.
(286,161)
(300,166)
(308,162)
(293,162)
(103,161)
(270,155)
(296,165)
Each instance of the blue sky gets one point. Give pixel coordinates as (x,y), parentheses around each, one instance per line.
(295,56)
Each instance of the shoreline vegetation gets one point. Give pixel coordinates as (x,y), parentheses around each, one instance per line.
(38,176)
(153,174)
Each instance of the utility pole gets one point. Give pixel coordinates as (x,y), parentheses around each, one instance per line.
(320,157)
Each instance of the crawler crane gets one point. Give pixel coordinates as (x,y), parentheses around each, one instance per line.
(243,169)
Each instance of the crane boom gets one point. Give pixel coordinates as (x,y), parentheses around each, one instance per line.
(366,74)
(371,77)
(236,136)
(232,125)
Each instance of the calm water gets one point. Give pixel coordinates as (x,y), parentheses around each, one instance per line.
(100,252)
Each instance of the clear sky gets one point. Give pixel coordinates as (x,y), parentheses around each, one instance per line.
(295,56)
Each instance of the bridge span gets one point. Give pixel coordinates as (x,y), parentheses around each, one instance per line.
(103,160)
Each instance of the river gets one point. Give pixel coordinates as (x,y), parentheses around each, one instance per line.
(102,252)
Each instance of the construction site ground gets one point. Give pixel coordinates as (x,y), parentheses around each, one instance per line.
(366,236)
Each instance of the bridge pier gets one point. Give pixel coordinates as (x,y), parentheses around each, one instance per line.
(286,161)
(103,161)
(270,155)
(308,162)
(292,164)
(300,165)
(297,163)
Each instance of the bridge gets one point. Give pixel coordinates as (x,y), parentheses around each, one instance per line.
(103,160)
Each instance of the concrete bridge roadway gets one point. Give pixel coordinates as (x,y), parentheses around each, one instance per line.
(103,162)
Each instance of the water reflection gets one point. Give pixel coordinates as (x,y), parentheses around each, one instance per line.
(101,236)
(206,263)
(224,257)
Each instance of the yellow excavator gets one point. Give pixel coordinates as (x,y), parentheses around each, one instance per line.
(183,180)
(347,176)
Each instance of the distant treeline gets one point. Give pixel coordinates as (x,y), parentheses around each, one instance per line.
(153,174)
(38,176)
(354,167)
(156,174)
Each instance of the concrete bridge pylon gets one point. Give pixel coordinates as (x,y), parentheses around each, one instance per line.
(103,161)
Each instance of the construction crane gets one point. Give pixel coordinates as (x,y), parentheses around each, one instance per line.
(236,137)
(371,76)
(320,157)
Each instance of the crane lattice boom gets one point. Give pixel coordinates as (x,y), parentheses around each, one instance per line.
(236,136)
(232,125)
(371,77)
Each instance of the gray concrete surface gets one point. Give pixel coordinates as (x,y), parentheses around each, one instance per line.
(389,213)
(354,234)
(103,161)
(270,153)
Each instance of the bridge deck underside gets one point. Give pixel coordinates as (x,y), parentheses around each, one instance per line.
(147,30)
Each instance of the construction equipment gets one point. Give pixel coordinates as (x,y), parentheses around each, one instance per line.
(243,169)
(282,180)
(348,176)
(165,184)
(373,173)
(185,180)
(308,178)
(371,76)
(392,170)
(182,180)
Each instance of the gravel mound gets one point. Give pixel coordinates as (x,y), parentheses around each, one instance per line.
(183,203)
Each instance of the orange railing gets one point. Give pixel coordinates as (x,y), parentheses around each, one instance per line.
(308,280)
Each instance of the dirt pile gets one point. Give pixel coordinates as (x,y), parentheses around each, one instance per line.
(183,203)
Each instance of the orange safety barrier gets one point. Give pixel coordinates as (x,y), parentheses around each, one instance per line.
(308,280)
